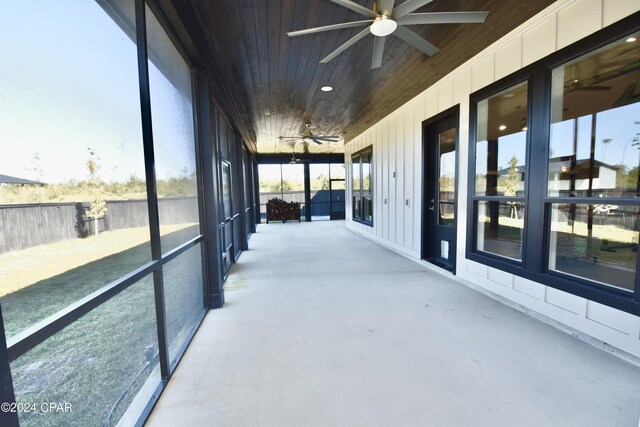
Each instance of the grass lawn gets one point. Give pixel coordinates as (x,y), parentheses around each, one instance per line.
(94,360)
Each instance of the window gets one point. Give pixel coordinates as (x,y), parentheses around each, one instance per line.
(362,187)
(320,197)
(173,138)
(562,138)
(74,215)
(500,161)
(284,182)
(82,270)
(594,157)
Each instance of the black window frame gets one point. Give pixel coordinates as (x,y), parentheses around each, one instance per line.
(358,155)
(536,234)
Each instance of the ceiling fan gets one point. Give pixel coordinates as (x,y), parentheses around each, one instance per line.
(293,160)
(578,85)
(309,135)
(575,84)
(385,19)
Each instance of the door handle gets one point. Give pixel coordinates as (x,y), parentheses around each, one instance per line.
(432,205)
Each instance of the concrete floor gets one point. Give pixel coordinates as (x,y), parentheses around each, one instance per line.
(325,328)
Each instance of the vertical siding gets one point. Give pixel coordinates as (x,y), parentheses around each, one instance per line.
(407,199)
(397,147)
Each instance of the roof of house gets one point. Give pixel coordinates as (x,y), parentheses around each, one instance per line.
(6,179)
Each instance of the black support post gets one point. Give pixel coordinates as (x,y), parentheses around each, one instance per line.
(152,198)
(213,245)
(307,193)
(239,193)
(7,396)
(256,191)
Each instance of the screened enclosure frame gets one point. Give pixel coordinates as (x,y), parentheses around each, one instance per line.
(207,196)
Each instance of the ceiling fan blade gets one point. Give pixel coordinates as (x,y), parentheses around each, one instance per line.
(327,138)
(386,6)
(416,41)
(443,18)
(378,50)
(356,8)
(329,28)
(353,40)
(593,87)
(408,7)
(317,141)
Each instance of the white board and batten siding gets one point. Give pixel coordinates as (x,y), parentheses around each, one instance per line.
(397,147)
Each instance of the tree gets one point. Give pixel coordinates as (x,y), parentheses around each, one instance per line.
(96,189)
(512,185)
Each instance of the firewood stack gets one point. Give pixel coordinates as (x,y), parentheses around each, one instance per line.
(279,210)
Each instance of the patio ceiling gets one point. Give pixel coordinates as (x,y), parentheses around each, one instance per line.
(270,84)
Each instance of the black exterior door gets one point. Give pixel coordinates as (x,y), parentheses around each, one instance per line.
(439,218)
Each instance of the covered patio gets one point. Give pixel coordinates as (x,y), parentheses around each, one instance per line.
(323,327)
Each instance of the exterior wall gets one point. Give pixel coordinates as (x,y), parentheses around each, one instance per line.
(397,147)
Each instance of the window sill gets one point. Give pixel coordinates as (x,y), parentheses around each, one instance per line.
(362,221)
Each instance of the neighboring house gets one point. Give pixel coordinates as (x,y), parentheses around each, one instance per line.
(12,180)
(560,176)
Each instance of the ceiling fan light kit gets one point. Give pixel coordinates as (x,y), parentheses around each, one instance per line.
(386,19)
(383,26)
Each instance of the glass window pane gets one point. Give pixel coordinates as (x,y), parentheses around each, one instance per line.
(227,244)
(501,143)
(447,177)
(338,185)
(598,242)
(595,130)
(72,156)
(500,228)
(355,185)
(293,183)
(173,138)
(270,183)
(246,169)
(366,173)
(367,200)
(266,184)
(184,298)
(319,175)
(367,205)
(357,212)
(337,170)
(226,190)
(355,178)
(319,179)
(101,364)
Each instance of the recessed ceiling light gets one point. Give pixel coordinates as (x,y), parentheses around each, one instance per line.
(631,39)
(326,88)
(502,127)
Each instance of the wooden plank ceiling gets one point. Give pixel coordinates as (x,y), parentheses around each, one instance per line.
(271,83)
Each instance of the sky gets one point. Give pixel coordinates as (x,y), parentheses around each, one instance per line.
(618,126)
(69,81)
(615,130)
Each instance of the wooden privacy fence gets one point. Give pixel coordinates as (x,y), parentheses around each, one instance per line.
(25,226)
